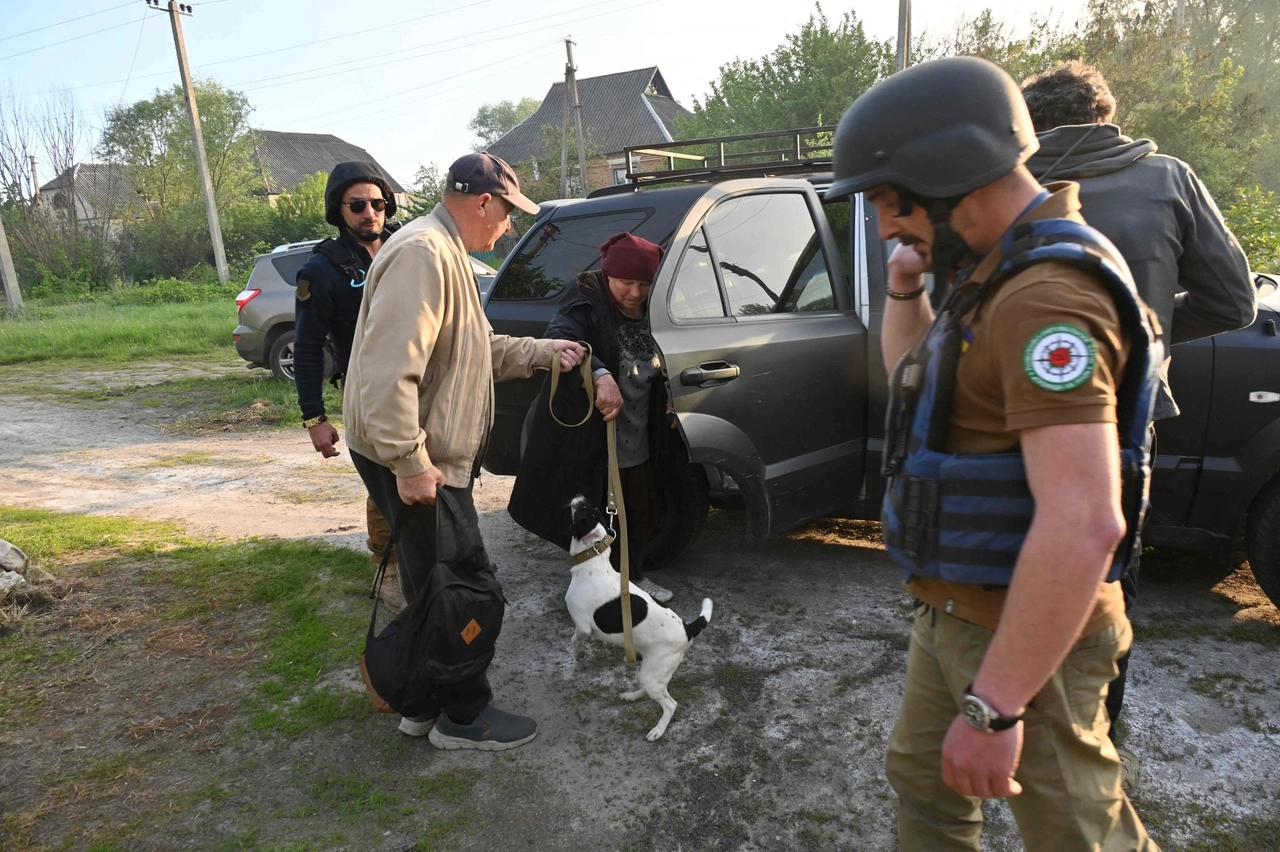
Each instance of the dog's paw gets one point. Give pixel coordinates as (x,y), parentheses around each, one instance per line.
(656,734)
(633,696)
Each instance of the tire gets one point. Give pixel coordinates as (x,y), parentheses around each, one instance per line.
(683,521)
(280,358)
(1262,540)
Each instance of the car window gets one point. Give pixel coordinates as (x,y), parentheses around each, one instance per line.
(838,218)
(558,251)
(769,255)
(696,293)
(289,264)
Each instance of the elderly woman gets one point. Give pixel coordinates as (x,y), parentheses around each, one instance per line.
(609,310)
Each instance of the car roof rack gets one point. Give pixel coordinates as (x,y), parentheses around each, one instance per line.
(800,150)
(291,246)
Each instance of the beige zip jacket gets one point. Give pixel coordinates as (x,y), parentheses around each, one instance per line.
(419,386)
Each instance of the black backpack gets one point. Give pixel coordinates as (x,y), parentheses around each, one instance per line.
(448,633)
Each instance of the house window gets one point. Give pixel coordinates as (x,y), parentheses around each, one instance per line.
(619,174)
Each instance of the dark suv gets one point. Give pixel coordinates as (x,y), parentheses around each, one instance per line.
(767,310)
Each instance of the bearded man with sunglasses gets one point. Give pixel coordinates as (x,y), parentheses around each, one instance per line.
(358,201)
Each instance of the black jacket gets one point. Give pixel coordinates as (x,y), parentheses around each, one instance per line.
(559,463)
(1186,263)
(330,287)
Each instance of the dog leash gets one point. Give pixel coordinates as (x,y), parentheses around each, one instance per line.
(617,505)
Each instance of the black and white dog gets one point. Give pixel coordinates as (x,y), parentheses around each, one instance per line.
(660,637)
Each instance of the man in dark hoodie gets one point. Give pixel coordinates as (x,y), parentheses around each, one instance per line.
(358,200)
(1185,261)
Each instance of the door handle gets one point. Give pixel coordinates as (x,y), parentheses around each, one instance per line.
(710,374)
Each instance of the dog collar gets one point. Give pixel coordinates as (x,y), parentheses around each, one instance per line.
(594,550)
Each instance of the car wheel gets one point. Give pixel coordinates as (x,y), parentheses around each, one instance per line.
(688,503)
(1262,539)
(280,359)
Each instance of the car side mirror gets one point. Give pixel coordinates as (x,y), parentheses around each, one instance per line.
(1267,284)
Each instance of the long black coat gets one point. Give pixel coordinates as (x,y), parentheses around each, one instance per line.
(558,462)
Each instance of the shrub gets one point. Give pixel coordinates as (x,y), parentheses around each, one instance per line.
(1255,220)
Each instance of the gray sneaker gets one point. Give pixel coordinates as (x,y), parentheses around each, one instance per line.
(418,726)
(492,730)
(661,594)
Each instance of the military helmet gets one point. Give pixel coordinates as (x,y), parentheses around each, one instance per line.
(938,130)
(343,176)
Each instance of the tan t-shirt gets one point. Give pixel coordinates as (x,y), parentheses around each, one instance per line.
(1044,349)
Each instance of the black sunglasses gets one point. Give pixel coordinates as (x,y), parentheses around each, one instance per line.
(357,204)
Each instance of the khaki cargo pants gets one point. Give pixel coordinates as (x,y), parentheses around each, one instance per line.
(1069,772)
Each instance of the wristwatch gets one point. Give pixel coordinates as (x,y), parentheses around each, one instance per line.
(982,716)
(315,421)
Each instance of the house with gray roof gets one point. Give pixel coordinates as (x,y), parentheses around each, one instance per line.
(285,158)
(96,192)
(618,111)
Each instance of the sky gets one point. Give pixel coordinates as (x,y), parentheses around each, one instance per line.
(402,80)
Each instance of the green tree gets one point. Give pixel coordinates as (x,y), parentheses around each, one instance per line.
(807,81)
(493,121)
(1255,220)
(299,213)
(427,190)
(150,140)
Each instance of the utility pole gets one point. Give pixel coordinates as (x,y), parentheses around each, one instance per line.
(197,138)
(8,277)
(564,136)
(1179,17)
(904,34)
(35,181)
(571,73)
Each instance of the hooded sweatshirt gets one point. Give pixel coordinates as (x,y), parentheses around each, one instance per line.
(1187,264)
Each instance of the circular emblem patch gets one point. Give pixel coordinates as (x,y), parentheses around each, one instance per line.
(1059,357)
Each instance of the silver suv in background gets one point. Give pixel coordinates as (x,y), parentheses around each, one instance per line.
(264,336)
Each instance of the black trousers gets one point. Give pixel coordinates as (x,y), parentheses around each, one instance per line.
(636,493)
(415,530)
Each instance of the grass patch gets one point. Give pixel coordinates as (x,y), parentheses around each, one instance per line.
(117,332)
(452,785)
(235,401)
(49,535)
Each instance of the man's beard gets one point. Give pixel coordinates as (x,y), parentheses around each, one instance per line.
(366,236)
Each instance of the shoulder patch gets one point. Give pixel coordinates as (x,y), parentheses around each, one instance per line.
(1060,357)
(304,289)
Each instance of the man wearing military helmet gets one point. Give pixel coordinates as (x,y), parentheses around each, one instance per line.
(1017,458)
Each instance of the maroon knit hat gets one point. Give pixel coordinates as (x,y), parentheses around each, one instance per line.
(628,256)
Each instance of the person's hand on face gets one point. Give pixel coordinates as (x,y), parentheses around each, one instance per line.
(367,224)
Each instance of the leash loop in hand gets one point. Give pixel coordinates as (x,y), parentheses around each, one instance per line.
(615,504)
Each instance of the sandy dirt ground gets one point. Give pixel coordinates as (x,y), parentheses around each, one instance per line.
(786,700)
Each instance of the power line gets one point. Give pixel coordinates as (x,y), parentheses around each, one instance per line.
(67,21)
(521,33)
(544,51)
(481,34)
(65,40)
(141,28)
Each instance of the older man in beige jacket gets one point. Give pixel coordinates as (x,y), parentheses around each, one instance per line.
(418,402)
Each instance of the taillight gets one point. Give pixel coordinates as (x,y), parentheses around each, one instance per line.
(245,297)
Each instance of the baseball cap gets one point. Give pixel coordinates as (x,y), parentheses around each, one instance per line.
(476,174)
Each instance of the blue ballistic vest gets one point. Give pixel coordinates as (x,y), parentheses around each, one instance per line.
(963,517)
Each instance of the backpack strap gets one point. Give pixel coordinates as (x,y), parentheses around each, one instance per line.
(342,256)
